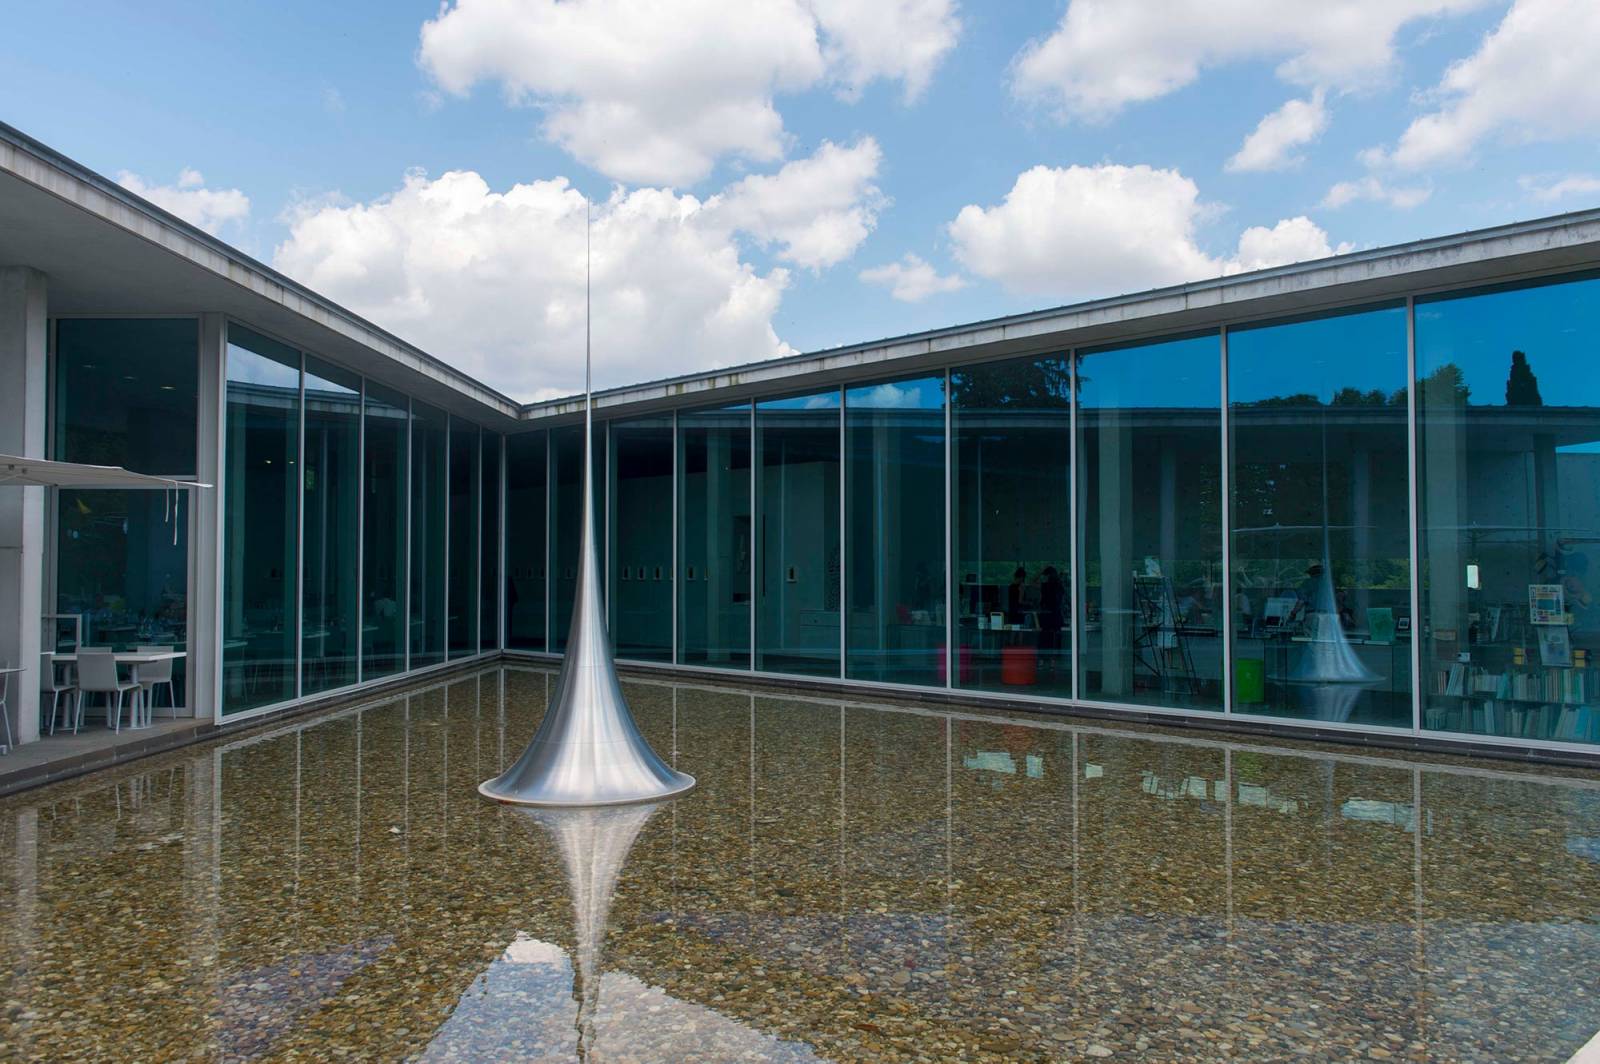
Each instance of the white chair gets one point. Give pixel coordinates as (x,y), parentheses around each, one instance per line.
(5,708)
(97,675)
(156,674)
(55,683)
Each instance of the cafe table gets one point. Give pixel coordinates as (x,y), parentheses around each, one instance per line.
(132,659)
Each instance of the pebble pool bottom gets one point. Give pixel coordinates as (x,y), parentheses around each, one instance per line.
(850,881)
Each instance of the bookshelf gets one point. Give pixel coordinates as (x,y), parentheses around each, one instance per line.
(1520,701)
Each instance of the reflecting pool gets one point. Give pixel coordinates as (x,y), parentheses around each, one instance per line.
(848,882)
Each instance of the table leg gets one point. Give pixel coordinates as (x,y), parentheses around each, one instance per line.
(135,712)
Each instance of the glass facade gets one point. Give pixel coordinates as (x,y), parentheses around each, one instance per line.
(714,538)
(1011,491)
(489,550)
(384,532)
(798,574)
(527,510)
(1320,520)
(260,525)
(641,577)
(1150,486)
(894,476)
(331,502)
(566,520)
(125,394)
(1222,522)
(430,443)
(566,524)
(465,536)
(1508,464)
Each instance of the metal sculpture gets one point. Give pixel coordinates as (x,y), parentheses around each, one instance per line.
(588,750)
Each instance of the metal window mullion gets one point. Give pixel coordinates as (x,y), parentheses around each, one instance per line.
(477,549)
(1413,525)
(755,539)
(673,569)
(411,472)
(444,651)
(361,527)
(949,540)
(844,541)
(1076,580)
(300,542)
(501,621)
(549,536)
(1228,633)
(609,485)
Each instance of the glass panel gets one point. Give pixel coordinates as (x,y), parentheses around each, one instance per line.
(259,526)
(1150,473)
(566,519)
(797,590)
(1321,527)
(429,491)
(641,539)
(1509,470)
(1012,451)
(526,473)
(122,567)
(714,537)
(383,560)
(894,433)
(464,537)
(489,552)
(126,393)
(332,496)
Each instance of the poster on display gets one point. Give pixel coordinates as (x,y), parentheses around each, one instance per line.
(1546,604)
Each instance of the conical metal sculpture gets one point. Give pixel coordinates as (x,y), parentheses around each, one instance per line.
(588,750)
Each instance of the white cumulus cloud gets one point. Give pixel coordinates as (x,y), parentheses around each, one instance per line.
(817,210)
(208,208)
(1296,239)
(899,40)
(1402,197)
(912,279)
(1107,54)
(494,281)
(655,92)
(1085,231)
(1548,188)
(1532,79)
(1271,146)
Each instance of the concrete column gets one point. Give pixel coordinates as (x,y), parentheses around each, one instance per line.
(22,432)
(205,529)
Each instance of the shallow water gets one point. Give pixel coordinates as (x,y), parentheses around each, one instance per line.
(848,882)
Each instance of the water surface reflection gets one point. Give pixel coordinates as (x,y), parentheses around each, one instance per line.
(848,882)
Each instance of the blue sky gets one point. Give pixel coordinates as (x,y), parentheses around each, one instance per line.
(290,130)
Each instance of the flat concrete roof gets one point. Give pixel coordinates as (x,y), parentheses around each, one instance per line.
(108,251)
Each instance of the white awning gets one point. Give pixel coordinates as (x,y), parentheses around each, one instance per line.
(39,472)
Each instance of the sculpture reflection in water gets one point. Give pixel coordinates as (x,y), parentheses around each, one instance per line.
(594,844)
(588,750)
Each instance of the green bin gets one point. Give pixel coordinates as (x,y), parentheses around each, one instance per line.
(1249,680)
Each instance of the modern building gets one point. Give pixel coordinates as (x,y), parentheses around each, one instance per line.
(1358,497)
